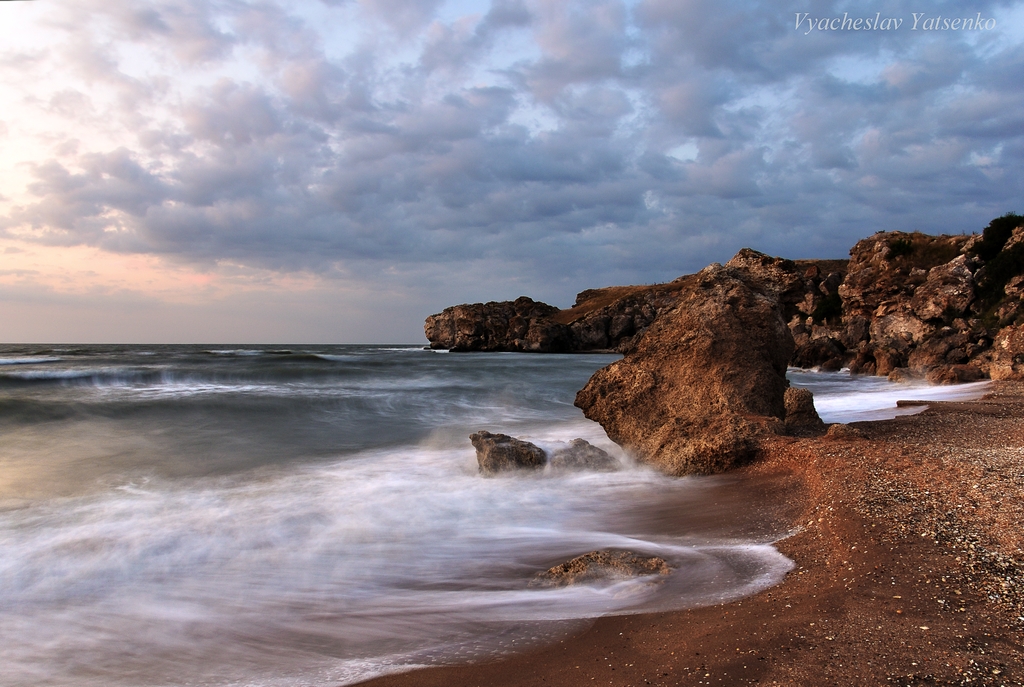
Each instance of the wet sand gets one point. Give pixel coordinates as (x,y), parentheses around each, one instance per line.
(909,571)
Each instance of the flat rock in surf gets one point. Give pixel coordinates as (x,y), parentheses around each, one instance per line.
(601,565)
(582,455)
(500,453)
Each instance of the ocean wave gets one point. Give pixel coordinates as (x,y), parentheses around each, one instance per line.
(29,360)
(109,376)
(389,557)
(240,352)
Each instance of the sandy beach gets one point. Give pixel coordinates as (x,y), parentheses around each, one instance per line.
(908,547)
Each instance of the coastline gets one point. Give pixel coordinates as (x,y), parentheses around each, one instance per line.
(908,571)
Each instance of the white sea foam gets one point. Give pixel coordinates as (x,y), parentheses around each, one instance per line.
(841,397)
(344,570)
(110,375)
(29,360)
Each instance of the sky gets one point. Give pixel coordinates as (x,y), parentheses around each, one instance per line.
(333,171)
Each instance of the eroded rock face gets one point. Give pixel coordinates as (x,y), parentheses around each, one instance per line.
(954,374)
(885,271)
(1008,354)
(704,382)
(946,347)
(948,291)
(500,453)
(908,302)
(825,353)
(801,417)
(602,565)
(582,455)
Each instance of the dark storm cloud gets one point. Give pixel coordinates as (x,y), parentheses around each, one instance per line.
(586,142)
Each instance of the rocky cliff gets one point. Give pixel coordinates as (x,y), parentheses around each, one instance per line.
(914,305)
(520,325)
(601,319)
(611,318)
(950,308)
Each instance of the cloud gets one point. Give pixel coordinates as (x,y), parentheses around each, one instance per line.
(421,137)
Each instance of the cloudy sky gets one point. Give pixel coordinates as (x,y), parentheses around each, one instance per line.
(336,170)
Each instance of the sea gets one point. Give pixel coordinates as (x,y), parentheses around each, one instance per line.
(313,515)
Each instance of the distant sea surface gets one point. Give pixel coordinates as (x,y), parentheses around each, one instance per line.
(313,515)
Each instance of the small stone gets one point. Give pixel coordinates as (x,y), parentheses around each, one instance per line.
(499,452)
(841,431)
(582,455)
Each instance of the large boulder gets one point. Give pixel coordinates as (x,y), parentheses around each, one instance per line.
(500,453)
(802,418)
(780,276)
(809,300)
(704,383)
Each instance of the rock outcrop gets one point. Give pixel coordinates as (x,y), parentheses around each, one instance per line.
(598,566)
(954,374)
(808,293)
(704,382)
(600,320)
(901,290)
(910,305)
(520,325)
(802,418)
(582,455)
(500,453)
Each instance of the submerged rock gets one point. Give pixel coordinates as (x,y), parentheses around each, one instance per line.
(601,565)
(499,453)
(582,455)
(704,382)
